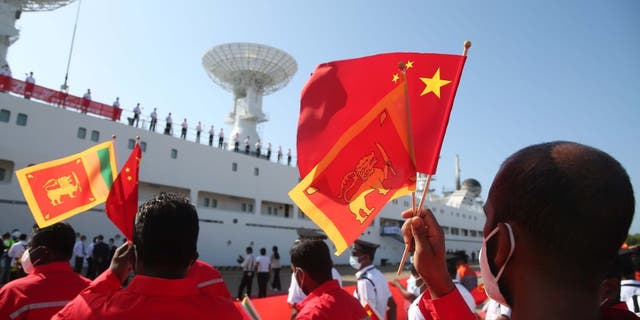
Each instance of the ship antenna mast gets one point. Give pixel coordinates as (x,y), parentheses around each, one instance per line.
(457,172)
(65,87)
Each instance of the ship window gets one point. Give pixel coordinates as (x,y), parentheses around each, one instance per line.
(243,207)
(445,230)
(234,167)
(455,231)
(465,232)
(132,143)
(214,203)
(174,153)
(250,207)
(95,135)
(206,202)
(82,133)
(143,146)
(6,169)
(21,120)
(256,172)
(406,204)
(394,201)
(269,210)
(5,115)
(473,233)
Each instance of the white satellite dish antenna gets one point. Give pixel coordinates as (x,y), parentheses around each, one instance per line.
(249,71)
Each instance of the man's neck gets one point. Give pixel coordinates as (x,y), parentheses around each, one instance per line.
(541,298)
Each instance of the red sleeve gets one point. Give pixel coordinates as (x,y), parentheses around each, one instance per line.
(450,307)
(96,293)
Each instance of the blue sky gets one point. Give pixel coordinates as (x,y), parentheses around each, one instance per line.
(538,70)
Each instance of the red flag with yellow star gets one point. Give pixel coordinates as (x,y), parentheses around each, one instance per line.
(122,202)
(368,165)
(341,92)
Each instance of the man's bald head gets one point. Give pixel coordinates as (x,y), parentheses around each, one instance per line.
(574,203)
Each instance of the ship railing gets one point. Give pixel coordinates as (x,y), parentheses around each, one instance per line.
(59,98)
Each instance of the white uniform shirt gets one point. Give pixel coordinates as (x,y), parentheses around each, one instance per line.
(221,133)
(249,263)
(87,96)
(374,291)
(493,310)
(136,110)
(199,127)
(211,132)
(30,79)
(184,124)
(78,249)
(169,120)
(17,249)
(629,288)
(154,115)
(116,104)
(296,295)
(258,145)
(263,263)
(415,314)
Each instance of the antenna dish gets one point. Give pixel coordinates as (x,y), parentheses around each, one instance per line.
(249,71)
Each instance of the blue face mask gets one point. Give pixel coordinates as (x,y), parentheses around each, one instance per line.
(354,262)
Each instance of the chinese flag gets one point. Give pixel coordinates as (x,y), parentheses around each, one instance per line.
(122,203)
(59,189)
(368,165)
(339,93)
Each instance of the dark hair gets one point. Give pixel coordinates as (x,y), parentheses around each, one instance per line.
(574,202)
(23,236)
(314,258)
(166,232)
(263,251)
(276,255)
(59,239)
(249,250)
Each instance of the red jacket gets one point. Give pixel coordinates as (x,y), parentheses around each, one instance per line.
(42,293)
(208,279)
(451,306)
(329,301)
(146,298)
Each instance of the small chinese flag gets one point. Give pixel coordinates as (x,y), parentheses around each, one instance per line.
(341,92)
(370,164)
(122,203)
(370,312)
(59,189)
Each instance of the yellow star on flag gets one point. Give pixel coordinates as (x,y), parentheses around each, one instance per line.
(127,170)
(129,178)
(396,77)
(434,84)
(409,64)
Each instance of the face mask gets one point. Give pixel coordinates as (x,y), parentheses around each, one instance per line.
(25,261)
(491,281)
(300,283)
(353,261)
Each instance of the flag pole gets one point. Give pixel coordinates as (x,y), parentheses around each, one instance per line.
(403,260)
(403,70)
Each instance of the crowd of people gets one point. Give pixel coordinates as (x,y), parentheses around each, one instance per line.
(557,215)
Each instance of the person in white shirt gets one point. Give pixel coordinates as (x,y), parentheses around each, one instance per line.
(29,86)
(220,138)
(154,120)
(86,99)
(169,121)
(198,131)
(248,269)
(289,157)
(279,153)
(116,104)
(295,293)
(6,82)
(629,286)
(79,253)
(258,146)
(246,145)
(372,288)
(269,151)
(136,114)
(183,134)
(211,133)
(236,142)
(495,311)
(18,248)
(263,266)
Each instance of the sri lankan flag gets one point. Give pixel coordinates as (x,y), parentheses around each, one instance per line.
(365,128)
(371,163)
(59,189)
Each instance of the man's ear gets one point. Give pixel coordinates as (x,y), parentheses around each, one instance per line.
(501,247)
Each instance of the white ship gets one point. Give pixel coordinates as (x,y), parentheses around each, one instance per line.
(241,199)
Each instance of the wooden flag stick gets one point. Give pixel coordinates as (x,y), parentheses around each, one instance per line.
(424,192)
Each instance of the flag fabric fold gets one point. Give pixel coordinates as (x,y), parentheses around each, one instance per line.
(122,202)
(341,92)
(359,121)
(59,189)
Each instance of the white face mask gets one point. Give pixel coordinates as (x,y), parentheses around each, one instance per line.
(490,281)
(25,261)
(353,261)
